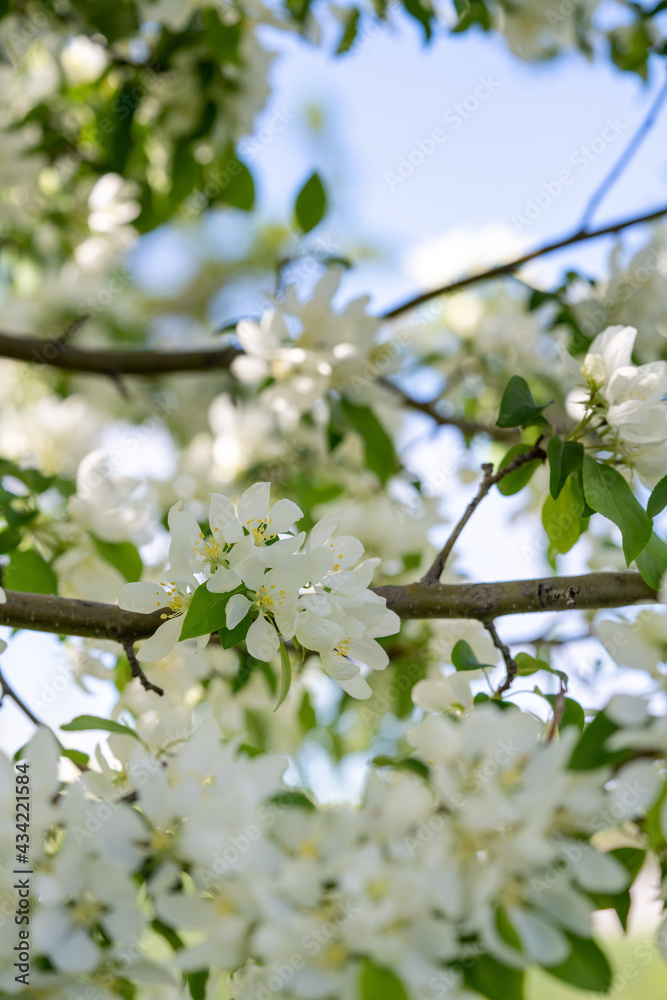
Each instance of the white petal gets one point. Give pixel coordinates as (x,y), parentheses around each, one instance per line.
(283,514)
(223,516)
(237,608)
(223,580)
(3,596)
(254,503)
(162,643)
(262,640)
(143,597)
(323,530)
(539,938)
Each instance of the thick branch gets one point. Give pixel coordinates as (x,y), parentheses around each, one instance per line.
(59,354)
(482,601)
(502,269)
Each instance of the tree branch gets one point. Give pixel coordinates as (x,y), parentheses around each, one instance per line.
(625,158)
(504,650)
(466,426)
(489,479)
(60,354)
(503,269)
(480,601)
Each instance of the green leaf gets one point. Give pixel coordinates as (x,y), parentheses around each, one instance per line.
(230,637)
(586,966)
(608,493)
(563,518)
(285,675)
(422,12)
(632,859)
(168,933)
(379,448)
(564,457)
(463,658)
(123,555)
(197,984)
(402,764)
(590,751)
(293,800)
(306,714)
(206,614)
(573,714)
(27,571)
(518,407)
(85,722)
(515,481)
(9,539)
(351,25)
(76,756)
(494,980)
(652,562)
(311,204)
(376,983)
(658,498)
(527,665)
(237,185)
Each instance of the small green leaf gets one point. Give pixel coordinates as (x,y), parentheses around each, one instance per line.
(527,665)
(230,637)
(586,967)
(515,481)
(518,407)
(376,983)
(463,658)
(85,722)
(311,204)
(608,493)
(123,556)
(27,571)
(573,715)
(206,614)
(422,12)
(493,979)
(197,984)
(564,457)
(563,518)
(402,764)
(351,24)
(76,756)
(652,562)
(306,714)
(293,800)
(285,675)
(379,448)
(590,752)
(658,498)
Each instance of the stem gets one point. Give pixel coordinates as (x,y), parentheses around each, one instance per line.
(489,479)
(512,669)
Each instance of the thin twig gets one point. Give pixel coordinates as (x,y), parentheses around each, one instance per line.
(8,690)
(512,669)
(469,427)
(504,269)
(624,159)
(489,479)
(559,710)
(136,669)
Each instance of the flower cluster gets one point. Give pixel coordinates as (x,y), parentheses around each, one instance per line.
(307,348)
(626,403)
(273,588)
(484,853)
